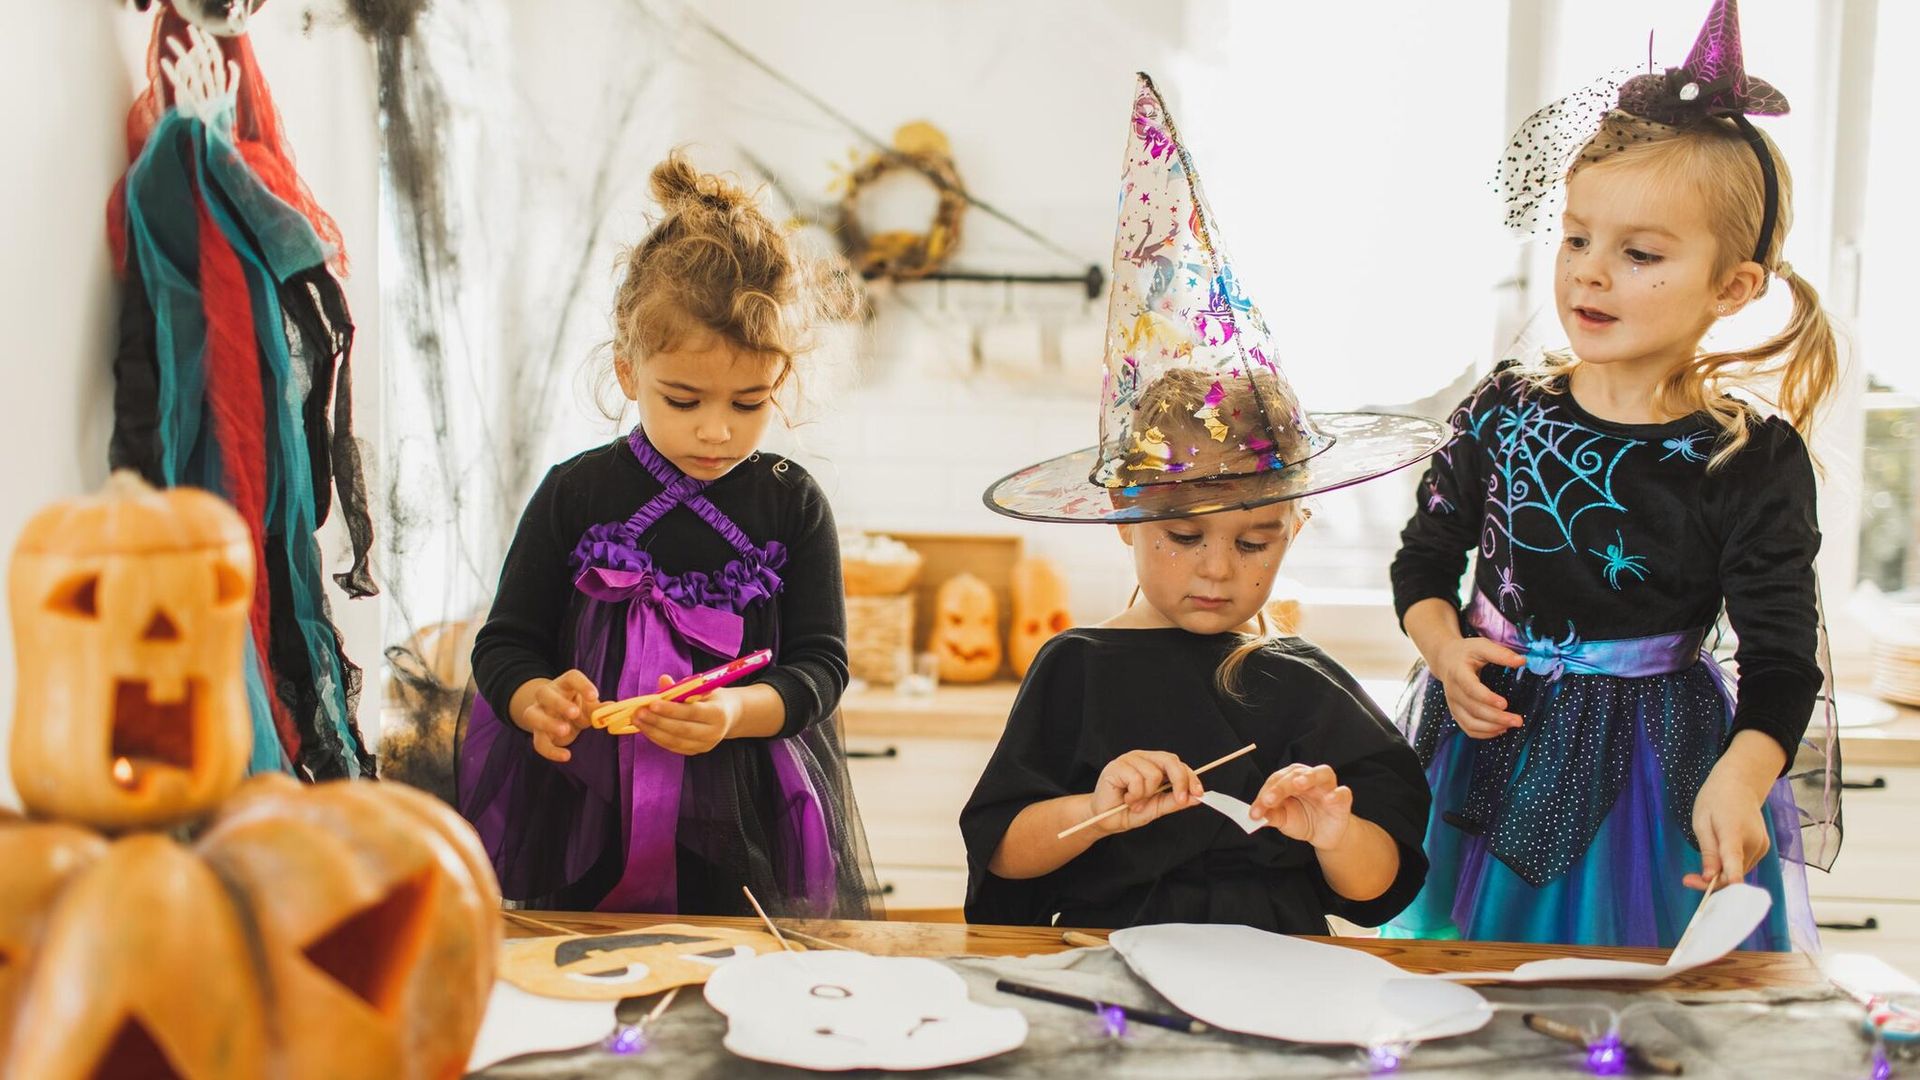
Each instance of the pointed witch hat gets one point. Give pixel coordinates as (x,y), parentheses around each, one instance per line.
(1196,415)
(1713,81)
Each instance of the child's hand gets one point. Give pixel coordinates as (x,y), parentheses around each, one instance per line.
(1134,779)
(1480,712)
(1728,818)
(554,711)
(693,726)
(1306,802)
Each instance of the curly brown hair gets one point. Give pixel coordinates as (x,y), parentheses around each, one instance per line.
(714,263)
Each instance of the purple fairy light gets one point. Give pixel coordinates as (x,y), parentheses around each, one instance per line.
(1882,1068)
(627,1039)
(1607,1056)
(1385,1057)
(1113,1020)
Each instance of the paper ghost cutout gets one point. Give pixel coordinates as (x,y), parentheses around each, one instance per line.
(848,1010)
(1258,983)
(634,963)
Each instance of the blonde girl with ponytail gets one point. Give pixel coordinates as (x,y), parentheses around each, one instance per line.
(1594,773)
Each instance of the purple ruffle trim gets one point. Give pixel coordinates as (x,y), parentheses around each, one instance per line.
(736,586)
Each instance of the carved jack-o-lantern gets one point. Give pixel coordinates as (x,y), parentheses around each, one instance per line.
(377,923)
(635,963)
(143,970)
(1039,610)
(344,929)
(129,627)
(966,630)
(39,859)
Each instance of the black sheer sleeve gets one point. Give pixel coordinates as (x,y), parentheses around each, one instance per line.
(1445,525)
(1769,539)
(811,672)
(1033,763)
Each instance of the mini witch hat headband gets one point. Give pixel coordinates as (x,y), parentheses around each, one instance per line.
(1711,83)
(1196,415)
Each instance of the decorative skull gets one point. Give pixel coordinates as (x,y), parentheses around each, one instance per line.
(130,631)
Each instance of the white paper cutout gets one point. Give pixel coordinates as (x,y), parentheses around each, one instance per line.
(1259,983)
(1864,976)
(521,1023)
(1725,919)
(847,1010)
(1235,810)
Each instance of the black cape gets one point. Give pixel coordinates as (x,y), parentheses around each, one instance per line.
(1094,694)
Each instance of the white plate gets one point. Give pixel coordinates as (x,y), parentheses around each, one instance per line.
(1258,983)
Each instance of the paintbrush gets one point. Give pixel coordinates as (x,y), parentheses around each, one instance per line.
(1164,788)
(1171,1021)
(1636,1057)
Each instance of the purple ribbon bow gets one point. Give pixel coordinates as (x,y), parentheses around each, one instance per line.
(661,631)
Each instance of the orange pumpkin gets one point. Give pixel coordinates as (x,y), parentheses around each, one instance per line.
(966,630)
(376,922)
(129,628)
(1039,610)
(343,930)
(144,970)
(39,860)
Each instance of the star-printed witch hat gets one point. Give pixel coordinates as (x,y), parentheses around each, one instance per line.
(1196,415)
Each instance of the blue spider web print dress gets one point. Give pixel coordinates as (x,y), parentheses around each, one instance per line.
(1606,556)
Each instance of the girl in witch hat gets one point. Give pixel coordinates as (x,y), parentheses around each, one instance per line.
(1203,456)
(1593,772)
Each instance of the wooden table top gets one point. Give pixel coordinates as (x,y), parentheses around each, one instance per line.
(1737,971)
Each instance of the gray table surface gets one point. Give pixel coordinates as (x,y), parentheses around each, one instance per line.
(1732,1034)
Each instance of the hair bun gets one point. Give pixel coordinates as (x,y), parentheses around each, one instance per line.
(677,185)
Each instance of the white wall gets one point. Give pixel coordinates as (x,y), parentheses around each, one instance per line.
(70,91)
(70,83)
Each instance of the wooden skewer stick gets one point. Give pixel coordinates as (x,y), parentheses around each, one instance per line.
(665,1000)
(528,920)
(817,942)
(777,935)
(1164,788)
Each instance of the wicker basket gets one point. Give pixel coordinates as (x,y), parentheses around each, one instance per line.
(863,578)
(879,634)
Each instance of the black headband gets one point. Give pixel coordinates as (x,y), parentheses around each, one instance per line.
(1770,176)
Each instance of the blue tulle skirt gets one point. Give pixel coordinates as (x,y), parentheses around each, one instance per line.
(1624,886)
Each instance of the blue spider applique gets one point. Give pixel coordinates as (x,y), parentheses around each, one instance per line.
(1619,562)
(1683,447)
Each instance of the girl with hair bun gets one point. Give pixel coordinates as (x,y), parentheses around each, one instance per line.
(674,549)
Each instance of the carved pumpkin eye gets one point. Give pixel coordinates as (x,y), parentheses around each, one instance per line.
(77,597)
(229,584)
(371,951)
(1058,622)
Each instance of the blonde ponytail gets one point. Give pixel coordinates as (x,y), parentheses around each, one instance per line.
(1796,369)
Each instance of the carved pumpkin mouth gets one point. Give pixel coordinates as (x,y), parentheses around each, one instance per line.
(150,734)
(961,652)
